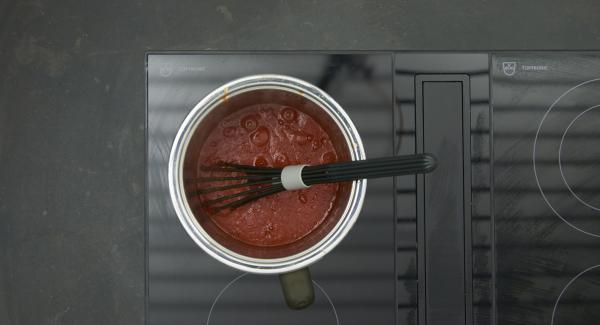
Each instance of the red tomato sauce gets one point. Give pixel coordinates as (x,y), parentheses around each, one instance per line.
(271,135)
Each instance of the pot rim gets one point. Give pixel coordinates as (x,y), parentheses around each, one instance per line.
(189,221)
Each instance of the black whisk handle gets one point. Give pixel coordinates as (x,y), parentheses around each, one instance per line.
(369,168)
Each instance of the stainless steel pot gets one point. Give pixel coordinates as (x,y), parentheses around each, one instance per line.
(291,263)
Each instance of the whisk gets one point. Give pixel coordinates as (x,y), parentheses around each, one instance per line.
(250,183)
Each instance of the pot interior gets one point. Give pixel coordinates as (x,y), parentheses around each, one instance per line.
(231,103)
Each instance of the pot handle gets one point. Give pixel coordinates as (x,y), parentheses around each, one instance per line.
(298,289)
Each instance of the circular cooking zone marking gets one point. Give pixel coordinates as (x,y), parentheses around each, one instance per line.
(560,154)
(576,301)
(559,118)
(273,306)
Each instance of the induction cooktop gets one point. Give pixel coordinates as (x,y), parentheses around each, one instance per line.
(505,231)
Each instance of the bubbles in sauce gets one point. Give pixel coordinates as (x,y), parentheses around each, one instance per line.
(281,160)
(260,137)
(260,162)
(270,135)
(268,229)
(328,157)
(249,123)
(289,114)
(316,145)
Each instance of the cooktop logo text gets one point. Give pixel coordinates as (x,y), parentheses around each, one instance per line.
(510,68)
(534,67)
(167,69)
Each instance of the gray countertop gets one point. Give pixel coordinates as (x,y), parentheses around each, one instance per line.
(72,118)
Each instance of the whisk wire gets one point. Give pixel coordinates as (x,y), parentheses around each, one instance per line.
(260,194)
(233,186)
(264,181)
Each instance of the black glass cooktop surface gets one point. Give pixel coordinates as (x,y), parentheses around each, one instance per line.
(355,284)
(505,231)
(547,187)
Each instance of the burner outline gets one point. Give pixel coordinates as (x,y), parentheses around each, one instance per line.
(567,287)
(537,133)
(560,159)
(337,320)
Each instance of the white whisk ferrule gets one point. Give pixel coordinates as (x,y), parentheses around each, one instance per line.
(291,178)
